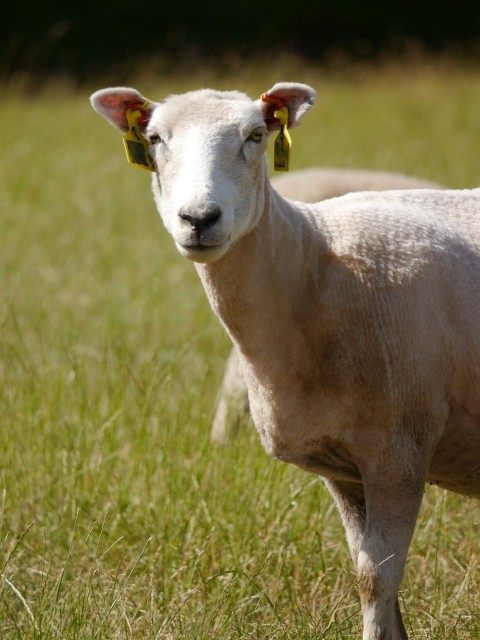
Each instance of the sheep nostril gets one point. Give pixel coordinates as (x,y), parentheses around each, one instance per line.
(201,221)
(211,218)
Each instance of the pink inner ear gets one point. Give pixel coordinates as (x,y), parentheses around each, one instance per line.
(272,103)
(298,98)
(277,101)
(116,104)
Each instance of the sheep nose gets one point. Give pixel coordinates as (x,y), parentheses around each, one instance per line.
(202,220)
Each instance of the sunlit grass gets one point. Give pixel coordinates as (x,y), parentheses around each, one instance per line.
(117,517)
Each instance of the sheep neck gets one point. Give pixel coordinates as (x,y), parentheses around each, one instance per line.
(256,287)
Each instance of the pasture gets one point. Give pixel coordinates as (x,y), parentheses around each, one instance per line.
(118,518)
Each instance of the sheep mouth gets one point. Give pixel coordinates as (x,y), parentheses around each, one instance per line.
(199,252)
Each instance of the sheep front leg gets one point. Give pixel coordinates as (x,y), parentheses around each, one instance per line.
(350,500)
(392,504)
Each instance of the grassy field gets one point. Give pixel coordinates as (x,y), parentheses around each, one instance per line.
(118,519)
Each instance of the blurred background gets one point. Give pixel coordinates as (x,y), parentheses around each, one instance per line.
(89,39)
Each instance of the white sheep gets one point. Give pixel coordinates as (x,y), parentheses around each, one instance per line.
(320,183)
(308,185)
(355,319)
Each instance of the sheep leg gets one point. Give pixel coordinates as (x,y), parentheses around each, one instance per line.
(392,506)
(232,405)
(350,500)
(379,522)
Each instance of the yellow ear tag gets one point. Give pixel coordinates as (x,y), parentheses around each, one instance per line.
(283,142)
(136,145)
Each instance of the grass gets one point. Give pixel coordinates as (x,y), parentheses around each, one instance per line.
(118,520)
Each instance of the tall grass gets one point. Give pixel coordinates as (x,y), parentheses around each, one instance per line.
(118,519)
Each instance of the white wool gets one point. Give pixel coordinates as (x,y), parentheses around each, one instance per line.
(307,185)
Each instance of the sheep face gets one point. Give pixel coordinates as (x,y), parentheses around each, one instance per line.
(208,151)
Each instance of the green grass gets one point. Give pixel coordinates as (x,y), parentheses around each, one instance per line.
(118,519)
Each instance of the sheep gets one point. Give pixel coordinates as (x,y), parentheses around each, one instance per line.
(355,319)
(319,183)
(308,185)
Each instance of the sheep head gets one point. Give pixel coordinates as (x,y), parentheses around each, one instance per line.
(207,150)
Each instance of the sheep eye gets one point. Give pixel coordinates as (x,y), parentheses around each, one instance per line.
(154,138)
(256,135)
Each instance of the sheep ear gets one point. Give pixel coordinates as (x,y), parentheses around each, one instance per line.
(298,98)
(113,103)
